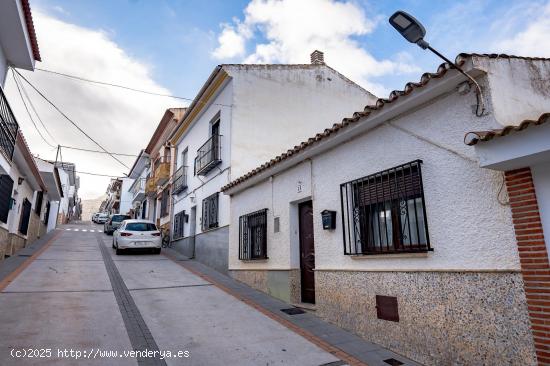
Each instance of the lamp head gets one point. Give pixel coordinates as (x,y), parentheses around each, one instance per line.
(410,28)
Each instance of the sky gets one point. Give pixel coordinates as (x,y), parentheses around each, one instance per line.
(171,47)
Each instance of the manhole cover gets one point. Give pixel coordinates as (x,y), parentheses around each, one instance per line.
(293,311)
(393,362)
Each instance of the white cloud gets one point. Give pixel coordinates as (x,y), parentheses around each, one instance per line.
(533,39)
(293,29)
(122,121)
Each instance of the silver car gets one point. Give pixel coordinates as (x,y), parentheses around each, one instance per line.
(113,223)
(102,218)
(137,234)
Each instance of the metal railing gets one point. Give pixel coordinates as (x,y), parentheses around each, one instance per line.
(8,126)
(253,235)
(137,187)
(385,212)
(180,180)
(208,155)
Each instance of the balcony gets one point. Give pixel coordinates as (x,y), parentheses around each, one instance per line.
(180,180)
(150,187)
(208,155)
(162,173)
(8,127)
(138,190)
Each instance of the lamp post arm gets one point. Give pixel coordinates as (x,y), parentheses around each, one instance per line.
(480,109)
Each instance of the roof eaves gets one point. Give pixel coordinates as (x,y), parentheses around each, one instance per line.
(474,137)
(30,28)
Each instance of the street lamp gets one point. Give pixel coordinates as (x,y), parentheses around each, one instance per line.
(413,31)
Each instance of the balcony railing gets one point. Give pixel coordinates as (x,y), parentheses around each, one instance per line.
(150,186)
(208,155)
(138,189)
(180,180)
(162,173)
(8,127)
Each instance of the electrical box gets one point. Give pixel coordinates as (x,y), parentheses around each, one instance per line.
(329,219)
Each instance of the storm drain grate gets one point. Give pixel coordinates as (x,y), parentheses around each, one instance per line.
(293,311)
(393,362)
(25,255)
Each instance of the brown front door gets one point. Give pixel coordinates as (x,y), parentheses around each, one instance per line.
(307,252)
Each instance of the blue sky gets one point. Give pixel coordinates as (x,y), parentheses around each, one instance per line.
(176,38)
(171,46)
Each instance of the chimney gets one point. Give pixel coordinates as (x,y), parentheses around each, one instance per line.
(317,58)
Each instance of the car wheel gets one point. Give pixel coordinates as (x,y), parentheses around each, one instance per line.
(118,251)
(114,243)
(156,251)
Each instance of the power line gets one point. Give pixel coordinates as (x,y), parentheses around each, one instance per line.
(71,121)
(120,86)
(29,112)
(34,109)
(97,151)
(100,175)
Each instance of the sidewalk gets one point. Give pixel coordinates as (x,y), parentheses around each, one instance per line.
(345,345)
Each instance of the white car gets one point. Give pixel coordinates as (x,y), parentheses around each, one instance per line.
(136,234)
(94,216)
(102,218)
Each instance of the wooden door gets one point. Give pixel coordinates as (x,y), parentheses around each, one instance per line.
(25,217)
(307,252)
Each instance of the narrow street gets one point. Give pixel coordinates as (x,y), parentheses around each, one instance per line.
(78,295)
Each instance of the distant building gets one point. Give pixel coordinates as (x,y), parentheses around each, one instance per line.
(243,115)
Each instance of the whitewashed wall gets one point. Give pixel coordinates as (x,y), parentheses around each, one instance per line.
(23,191)
(522,85)
(276,108)
(126,197)
(203,186)
(468,228)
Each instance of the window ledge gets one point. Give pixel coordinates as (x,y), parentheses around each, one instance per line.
(255,260)
(389,255)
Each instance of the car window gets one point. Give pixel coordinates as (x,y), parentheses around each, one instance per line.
(140,226)
(119,218)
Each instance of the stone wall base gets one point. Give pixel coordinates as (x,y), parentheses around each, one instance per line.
(445,318)
(282,284)
(4,242)
(15,243)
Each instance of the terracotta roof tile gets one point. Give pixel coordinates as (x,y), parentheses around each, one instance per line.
(472,138)
(30,29)
(379,104)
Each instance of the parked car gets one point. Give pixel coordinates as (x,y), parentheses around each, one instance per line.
(95,216)
(102,218)
(113,223)
(137,234)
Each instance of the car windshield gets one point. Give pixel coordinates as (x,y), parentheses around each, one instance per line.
(140,226)
(119,218)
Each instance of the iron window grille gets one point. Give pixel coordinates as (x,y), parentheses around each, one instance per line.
(8,127)
(208,155)
(6,188)
(210,212)
(385,212)
(164,203)
(253,235)
(178,225)
(47,213)
(180,180)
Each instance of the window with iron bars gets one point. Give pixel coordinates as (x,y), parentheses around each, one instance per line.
(253,235)
(164,203)
(210,212)
(178,225)
(385,212)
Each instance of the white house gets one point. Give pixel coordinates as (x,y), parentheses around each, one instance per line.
(50,175)
(139,172)
(387,225)
(243,115)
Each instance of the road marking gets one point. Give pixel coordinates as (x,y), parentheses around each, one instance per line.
(76,229)
(84,229)
(138,332)
(68,229)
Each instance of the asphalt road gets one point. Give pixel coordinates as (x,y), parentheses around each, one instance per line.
(79,296)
